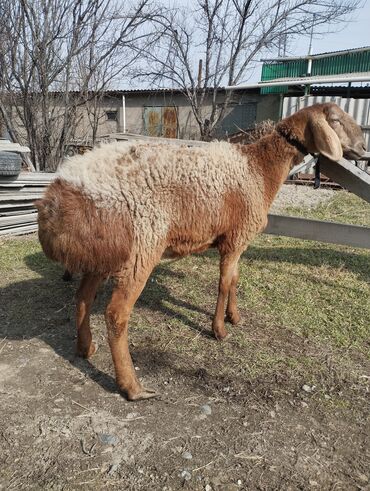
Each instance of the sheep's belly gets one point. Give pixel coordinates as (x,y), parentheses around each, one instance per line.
(182,249)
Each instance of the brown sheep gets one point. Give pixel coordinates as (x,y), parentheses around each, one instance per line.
(119,209)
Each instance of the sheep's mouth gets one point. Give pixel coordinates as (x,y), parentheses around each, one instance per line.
(351,154)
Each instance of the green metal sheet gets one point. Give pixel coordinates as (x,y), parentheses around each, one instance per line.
(346,63)
(356,62)
(272,71)
(290,69)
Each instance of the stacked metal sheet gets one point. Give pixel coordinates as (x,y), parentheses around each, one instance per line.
(18,214)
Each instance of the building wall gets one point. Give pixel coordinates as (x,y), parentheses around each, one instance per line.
(258,108)
(108,105)
(267,107)
(187,125)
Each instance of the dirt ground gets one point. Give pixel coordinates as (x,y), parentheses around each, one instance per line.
(269,409)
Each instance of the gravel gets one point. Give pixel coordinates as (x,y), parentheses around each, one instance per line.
(300,196)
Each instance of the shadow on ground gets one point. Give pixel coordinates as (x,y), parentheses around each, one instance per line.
(356,263)
(43,308)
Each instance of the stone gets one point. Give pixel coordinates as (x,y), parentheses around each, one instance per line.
(185,475)
(206,409)
(108,439)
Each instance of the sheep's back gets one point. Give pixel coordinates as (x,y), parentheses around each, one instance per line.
(169,188)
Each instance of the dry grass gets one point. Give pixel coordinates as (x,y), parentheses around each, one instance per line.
(260,130)
(343,207)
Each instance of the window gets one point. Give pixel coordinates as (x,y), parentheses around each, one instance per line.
(111,115)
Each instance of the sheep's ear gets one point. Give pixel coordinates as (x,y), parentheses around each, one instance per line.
(326,140)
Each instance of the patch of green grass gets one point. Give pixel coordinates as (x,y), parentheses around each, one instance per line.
(14,251)
(343,207)
(314,289)
(23,257)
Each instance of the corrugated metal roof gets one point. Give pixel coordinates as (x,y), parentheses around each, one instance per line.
(345,78)
(121,92)
(142,91)
(318,55)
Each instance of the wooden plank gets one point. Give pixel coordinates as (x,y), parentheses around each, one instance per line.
(26,229)
(24,191)
(152,139)
(307,229)
(13,205)
(18,219)
(15,212)
(7,146)
(347,175)
(29,177)
(20,197)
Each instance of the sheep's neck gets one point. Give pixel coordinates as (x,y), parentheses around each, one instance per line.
(275,157)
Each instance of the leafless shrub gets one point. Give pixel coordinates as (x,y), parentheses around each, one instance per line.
(59,55)
(260,130)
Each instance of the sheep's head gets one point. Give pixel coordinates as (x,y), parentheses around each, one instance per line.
(335,133)
(326,129)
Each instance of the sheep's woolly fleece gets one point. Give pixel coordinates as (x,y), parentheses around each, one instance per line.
(156,183)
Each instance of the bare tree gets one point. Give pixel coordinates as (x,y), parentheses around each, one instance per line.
(227,36)
(53,56)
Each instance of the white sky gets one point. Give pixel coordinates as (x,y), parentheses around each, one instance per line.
(355,34)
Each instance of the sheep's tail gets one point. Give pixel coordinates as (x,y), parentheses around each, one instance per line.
(77,234)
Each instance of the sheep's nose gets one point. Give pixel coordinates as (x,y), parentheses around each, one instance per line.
(361,147)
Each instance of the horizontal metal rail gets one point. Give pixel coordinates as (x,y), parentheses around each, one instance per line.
(307,229)
(347,175)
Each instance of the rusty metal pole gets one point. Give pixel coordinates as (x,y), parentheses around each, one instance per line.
(200,70)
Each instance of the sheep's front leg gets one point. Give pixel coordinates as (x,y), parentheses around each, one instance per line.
(85,298)
(228,276)
(117,316)
(232,313)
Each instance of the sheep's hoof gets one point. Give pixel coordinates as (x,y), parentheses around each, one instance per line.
(233,317)
(220,334)
(222,337)
(218,328)
(89,353)
(145,393)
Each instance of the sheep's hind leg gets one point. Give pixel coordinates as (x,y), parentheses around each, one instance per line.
(228,264)
(67,275)
(232,313)
(117,316)
(85,298)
